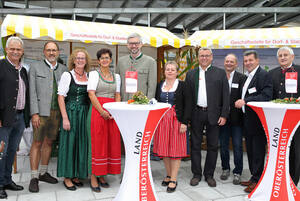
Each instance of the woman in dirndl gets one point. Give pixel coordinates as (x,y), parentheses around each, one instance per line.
(105,157)
(170,136)
(74,102)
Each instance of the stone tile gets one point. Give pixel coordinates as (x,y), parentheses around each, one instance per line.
(11,197)
(203,193)
(49,196)
(175,196)
(230,190)
(81,194)
(25,177)
(238,198)
(16,177)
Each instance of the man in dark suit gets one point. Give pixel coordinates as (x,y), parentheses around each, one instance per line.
(234,124)
(285,56)
(14,103)
(257,87)
(207,106)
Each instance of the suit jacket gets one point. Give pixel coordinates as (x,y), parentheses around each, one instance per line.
(9,86)
(262,83)
(236,115)
(41,86)
(278,79)
(178,100)
(217,93)
(147,74)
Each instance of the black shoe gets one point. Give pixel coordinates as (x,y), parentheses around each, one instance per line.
(70,188)
(48,178)
(77,183)
(171,190)
(95,189)
(13,186)
(34,185)
(166,183)
(3,194)
(103,184)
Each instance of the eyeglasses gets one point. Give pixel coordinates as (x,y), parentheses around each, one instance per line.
(80,58)
(134,44)
(205,56)
(51,50)
(104,58)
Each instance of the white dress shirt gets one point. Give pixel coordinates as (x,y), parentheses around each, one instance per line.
(230,80)
(246,85)
(202,96)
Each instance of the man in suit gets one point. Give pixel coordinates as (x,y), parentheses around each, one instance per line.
(44,77)
(234,124)
(207,106)
(257,87)
(285,56)
(144,65)
(14,110)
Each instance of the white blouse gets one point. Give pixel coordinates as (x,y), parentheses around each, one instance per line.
(65,80)
(94,79)
(174,87)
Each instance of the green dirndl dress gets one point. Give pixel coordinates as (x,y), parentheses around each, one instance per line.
(74,144)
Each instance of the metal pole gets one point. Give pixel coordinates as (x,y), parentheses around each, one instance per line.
(149,19)
(224,21)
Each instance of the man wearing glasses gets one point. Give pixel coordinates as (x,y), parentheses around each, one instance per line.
(207,108)
(136,61)
(44,77)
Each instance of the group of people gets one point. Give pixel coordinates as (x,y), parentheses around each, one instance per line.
(69,101)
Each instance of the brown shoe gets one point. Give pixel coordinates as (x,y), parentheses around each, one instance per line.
(34,185)
(48,178)
(195,181)
(211,181)
(246,183)
(250,188)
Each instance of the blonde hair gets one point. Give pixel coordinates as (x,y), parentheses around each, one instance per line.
(171,63)
(71,64)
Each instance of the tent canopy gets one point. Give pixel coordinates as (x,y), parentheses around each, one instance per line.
(88,32)
(247,38)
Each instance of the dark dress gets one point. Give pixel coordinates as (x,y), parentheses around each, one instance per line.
(73,145)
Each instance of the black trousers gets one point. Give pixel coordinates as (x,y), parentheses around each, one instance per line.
(199,121)
(294,160)
(256,148)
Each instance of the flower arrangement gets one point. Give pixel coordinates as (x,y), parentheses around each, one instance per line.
(138,98)
(287,101)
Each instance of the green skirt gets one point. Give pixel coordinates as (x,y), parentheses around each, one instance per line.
(74,144)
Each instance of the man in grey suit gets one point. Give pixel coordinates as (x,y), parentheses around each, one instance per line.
(144,65)
(44,77)
(207,107)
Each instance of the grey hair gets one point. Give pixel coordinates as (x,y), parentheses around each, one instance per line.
(205,48)
(172,63)
(290,50)
(249,52)
(135,35)
(14,38)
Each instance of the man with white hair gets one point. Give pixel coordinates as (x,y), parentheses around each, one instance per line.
(14,108)
(285,56)
(136,61)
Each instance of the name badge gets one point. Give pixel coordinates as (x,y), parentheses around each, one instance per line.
(252,90)
(235,85)
(131,81)
(291,82)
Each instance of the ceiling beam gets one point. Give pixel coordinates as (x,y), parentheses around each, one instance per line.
(207,10)
(75,5)
(159,18)
(137,17)
(252,19)
(182,17)
(116,16)
(203,18)
(98,6)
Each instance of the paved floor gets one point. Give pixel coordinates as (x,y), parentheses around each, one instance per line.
(225,191)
